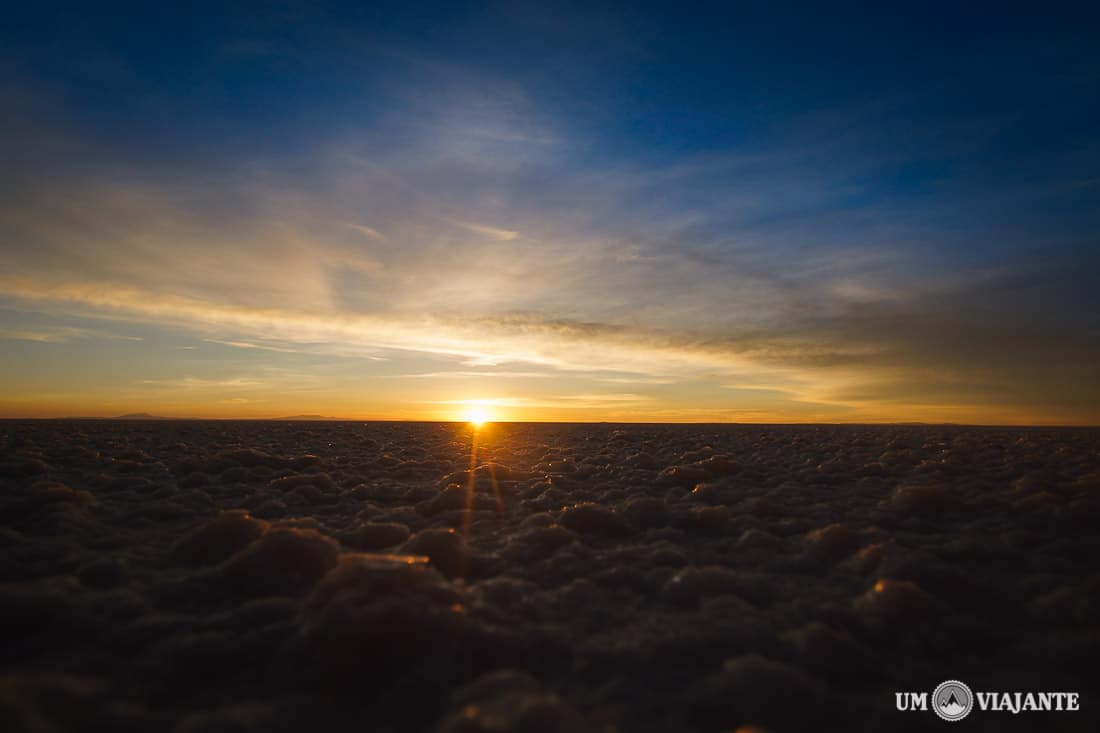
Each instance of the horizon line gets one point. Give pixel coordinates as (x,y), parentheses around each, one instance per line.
(308,418)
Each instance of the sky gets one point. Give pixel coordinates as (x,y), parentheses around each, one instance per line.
(555,211)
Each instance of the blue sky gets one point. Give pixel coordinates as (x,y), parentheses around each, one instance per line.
(587,211)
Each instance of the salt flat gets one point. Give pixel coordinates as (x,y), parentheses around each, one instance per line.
(258,576)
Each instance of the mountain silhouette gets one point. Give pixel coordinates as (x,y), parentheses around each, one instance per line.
(951,705)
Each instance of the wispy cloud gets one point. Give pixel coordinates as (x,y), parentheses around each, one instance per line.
(504,235)
(497,374)
(367,231)
(200,383)
(62,334)
(557,402)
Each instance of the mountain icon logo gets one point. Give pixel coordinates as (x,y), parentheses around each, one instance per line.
(952,700)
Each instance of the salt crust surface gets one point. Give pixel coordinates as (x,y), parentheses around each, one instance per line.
(267,576)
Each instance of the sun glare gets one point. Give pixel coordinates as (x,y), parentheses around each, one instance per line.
(477,415)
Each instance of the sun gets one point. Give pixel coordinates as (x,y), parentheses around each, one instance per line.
(477,415)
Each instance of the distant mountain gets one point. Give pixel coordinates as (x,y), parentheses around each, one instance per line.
(148,416)
(307,417)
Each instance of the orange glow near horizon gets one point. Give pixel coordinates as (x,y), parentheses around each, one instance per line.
(133,351)
(477,415)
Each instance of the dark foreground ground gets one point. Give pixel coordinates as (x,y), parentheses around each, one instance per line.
(223,576)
